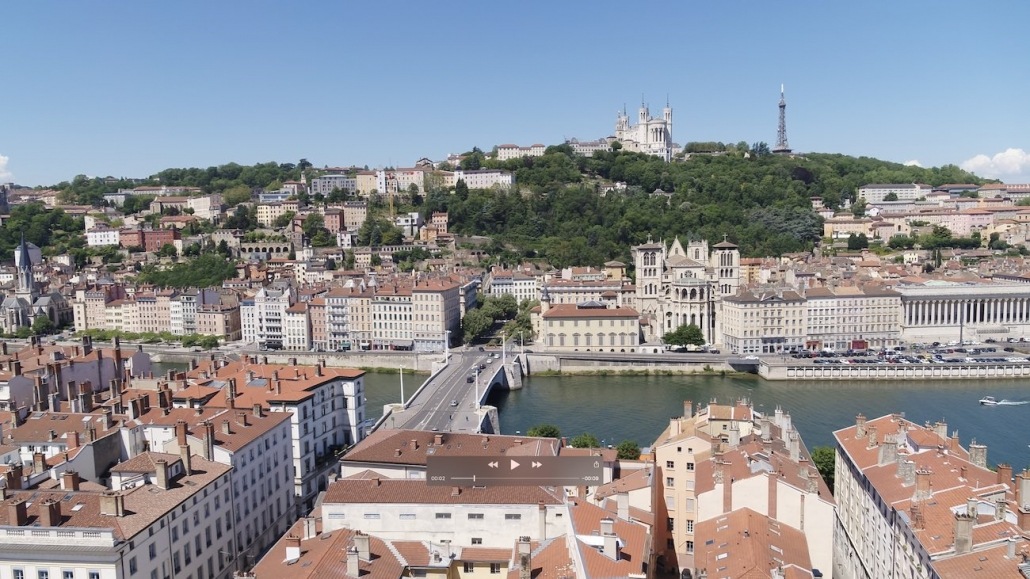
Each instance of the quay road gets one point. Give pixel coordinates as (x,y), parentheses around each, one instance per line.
(449,402)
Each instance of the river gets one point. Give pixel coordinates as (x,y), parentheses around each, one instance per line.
(638,408)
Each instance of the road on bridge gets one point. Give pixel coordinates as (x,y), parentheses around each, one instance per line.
(449,402)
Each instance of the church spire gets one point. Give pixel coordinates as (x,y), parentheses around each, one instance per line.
(25,281)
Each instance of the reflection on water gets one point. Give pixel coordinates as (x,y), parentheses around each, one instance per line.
(616,408)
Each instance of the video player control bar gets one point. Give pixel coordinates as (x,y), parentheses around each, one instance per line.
(514,471)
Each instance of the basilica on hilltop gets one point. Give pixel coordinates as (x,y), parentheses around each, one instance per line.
(650,135)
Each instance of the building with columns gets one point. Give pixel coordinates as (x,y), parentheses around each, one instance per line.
(950,311)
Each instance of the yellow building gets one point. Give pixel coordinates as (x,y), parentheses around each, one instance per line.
(587,327)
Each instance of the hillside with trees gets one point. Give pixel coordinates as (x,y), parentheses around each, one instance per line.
(568,209)
(565,211)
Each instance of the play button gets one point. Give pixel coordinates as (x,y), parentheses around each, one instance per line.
(514,465)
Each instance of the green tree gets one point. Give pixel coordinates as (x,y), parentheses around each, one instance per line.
(42,326)
(628,450)
(585,440)
(348,260)
(687,334)
(823,457)
(330,264)
(892,196)
(167,250)
(323,238)
(284,219)
(856,242)
(475,324)
(313,223)
(858,208)
(544,431)
(236,195)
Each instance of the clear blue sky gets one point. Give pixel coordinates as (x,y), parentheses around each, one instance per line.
(130,88)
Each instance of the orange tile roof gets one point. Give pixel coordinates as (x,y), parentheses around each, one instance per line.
(325,555)
(382,446)
(745,543)
(367,487)
(633,538)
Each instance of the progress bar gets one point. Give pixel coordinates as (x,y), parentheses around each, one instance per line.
(519,471)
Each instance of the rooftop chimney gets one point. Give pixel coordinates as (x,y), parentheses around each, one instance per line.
(112,504)
(184,454)
(438,440)
(414,444)
(70,480)
(525,562)
(923,490)
(688,409)
(180,431)
(209,440)
(978,454)
(361,544)
(1005,475)
(16,513)
(872,436)
(888,450)
(241,418)
(292,548)
(13,477)
(226,429)
(353,569)
(257,409)
(50,513)
(941,428)
(38,462)
(622,505)
(611,542)
(310,528)
(1000,508)
(860,426)
(161,474)
(963,533)
(1023,487)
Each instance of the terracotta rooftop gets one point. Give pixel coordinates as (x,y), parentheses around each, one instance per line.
(144,504)
(633,539)
(576,311)
(382,446)
(325,555)
(366,488)
(265,384)
(745,544)
(549,559)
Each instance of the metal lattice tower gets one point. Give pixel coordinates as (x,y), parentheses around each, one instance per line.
(781,133)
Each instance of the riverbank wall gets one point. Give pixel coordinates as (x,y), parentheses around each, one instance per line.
(557,364)
(409,361)
(958,371)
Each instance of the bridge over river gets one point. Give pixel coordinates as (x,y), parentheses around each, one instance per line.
(452,398)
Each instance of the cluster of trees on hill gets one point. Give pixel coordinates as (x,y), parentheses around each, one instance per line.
(761,202)
(207,270)
(562,209)
(44,227)
(229,178)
